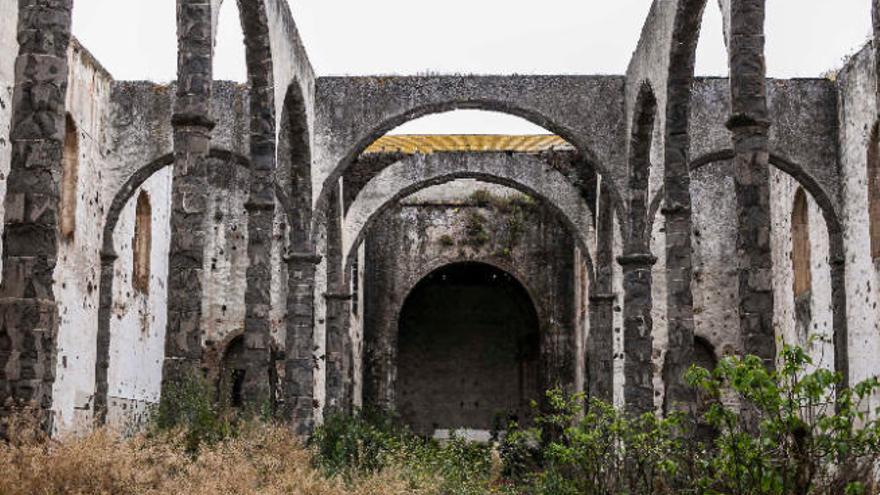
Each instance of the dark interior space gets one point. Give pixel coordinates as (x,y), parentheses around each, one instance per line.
(468,351)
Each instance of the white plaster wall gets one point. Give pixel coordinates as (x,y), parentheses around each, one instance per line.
(78,266)
(138,320)
(617,318)
(819,338)
(857,106)
(8,53)
(226,256)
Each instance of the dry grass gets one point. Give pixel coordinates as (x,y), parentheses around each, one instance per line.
(264,459)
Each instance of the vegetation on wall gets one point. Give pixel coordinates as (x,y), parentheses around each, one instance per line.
(511,213)
(791,431)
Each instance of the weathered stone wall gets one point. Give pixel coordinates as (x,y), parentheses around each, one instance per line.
(715,295)
(857,83)
(427,232)
(77,271)
(805,321)
(8,50)
(813,132)
(137,327)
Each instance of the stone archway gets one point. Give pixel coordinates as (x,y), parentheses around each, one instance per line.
(468,350)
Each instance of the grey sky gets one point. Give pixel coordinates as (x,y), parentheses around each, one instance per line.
(135,39)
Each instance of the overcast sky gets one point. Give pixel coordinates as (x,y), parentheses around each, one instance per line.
(135,39)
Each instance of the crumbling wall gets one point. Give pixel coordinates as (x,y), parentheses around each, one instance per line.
(805,320)
(8,52)
(581,317)
(226,258)
(356,326)
(138,321)
(77,272)
(857,114)
(716,298)
(431,230)
(617,289)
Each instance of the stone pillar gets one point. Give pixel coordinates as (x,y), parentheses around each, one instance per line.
(679,227)
(637,326)
(102,358)
(338,362)
(189,194)
(749,125)
(261,202)
(257,299)
(338,304)
(600,344)
(28,311)
(837,260)
(299,397)
(680,300)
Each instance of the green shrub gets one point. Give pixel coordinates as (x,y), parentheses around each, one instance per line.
(352,446)
(359,443)
(189,406)
(597,451)
(796,431)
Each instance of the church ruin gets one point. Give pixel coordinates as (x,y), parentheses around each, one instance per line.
(272,238)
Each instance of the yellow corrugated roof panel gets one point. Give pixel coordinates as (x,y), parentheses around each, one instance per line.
(434,143)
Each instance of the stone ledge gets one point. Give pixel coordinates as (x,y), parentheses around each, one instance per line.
(304,257)
(637,259)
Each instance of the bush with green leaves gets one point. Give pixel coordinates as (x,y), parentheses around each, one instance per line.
(364,443)
(794,430)
(599,450)
(189,406)
(790,431)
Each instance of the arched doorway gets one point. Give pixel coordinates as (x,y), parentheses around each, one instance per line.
(468,351)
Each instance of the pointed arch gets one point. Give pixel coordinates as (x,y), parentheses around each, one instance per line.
(641,140)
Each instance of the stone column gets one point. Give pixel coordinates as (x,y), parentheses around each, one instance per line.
(680,300)
(261,202)
(189,194)
(637,326)
(102,358)
(28,311)
(749,125)
(299,397)
(600,344)
(679,250)
(837,260)
(257,299)
(338,304)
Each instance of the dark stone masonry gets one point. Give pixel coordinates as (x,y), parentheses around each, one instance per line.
(301,258)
